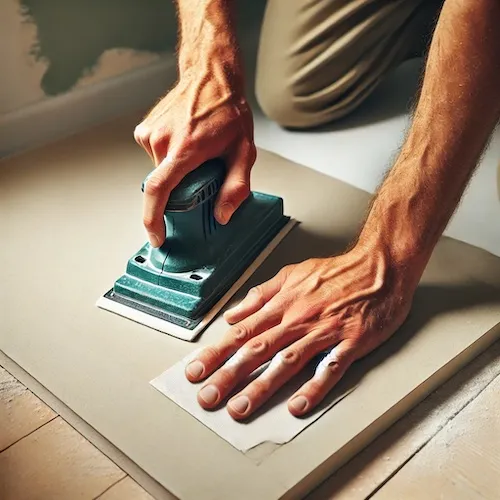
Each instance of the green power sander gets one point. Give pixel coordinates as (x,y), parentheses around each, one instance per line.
(181,286)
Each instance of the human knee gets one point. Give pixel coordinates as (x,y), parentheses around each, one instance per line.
(281,102)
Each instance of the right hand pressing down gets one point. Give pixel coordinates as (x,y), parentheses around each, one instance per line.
(205,116)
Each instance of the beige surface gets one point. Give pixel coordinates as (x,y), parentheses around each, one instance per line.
(71,213)
(21,412)
(463,462)
(57,463)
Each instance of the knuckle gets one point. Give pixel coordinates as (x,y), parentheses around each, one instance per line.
(149,222)
(156,139)
(154,186)
(240,189)
(252,155)
(260,387)
(257,294)
(258,346)
(223,379)
(334,367)
(285,271)
(209,354)
(141,132)
(240,333)
(292,357)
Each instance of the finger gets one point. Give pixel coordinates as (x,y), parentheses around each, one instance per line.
(141,136)
(236,186)
(237,369)
(156,193)
(211,358)
(158,144)
(284,365)
(256,298)
(328,372)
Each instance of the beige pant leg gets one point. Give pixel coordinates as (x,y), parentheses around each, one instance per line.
(319,59)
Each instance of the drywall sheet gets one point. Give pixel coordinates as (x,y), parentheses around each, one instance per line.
(70,217)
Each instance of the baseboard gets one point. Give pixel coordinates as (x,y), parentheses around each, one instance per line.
(57,117)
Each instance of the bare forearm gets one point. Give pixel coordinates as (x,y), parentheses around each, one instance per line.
(458,109)
(208,40)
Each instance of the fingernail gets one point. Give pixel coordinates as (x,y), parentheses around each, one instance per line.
(299,403)
(224,213)
(240,404)
(154,240)
(195,369)
(209,394)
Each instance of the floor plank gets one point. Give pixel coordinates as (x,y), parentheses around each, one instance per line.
(55,462)
(127,489)
(21,412)
(381,460)
(461,462)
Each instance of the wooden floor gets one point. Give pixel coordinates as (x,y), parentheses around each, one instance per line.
(448,447)
(43,458)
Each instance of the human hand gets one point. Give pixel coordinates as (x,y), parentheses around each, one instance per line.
(348,304)
(205,116)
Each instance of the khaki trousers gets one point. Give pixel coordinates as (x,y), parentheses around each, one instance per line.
(320,59)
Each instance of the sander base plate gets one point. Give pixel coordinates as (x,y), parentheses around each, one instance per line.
(164,326)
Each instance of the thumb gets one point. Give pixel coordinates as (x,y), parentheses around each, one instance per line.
(236,187)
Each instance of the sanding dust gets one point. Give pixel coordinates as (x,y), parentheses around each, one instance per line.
(443,414)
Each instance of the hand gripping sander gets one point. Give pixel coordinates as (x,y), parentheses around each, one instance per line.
(181,286)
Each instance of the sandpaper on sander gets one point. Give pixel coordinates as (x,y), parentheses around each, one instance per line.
(181,286)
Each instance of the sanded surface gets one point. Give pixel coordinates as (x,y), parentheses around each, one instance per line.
(461,462)
(72,215)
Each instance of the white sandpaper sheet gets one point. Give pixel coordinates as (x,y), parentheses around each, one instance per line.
(273,423)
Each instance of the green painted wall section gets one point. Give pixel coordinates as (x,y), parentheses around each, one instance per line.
(73,34)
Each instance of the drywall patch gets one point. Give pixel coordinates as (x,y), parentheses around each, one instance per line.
(72,36)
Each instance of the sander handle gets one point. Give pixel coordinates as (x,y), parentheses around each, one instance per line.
(197,187)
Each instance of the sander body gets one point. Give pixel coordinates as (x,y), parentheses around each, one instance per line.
(180,287)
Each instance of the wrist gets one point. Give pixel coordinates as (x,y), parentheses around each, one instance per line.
(215,60)
(378,271)
(403,247)
(411,209)
(391,232)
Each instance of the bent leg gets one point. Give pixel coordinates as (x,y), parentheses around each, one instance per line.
(320,59)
